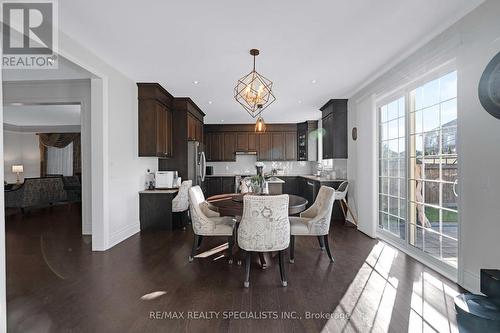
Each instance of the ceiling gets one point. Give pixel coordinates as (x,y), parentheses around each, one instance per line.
(338,44)
(41,115)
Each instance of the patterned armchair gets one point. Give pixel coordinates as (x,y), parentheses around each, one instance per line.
(206,222)
(264,227)
(36,192)
(315,221)
(181,201)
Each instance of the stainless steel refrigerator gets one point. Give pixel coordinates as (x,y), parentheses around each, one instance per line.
(196,163)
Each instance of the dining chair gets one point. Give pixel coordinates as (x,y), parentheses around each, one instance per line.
(264,227)
(314,221)
(207,222)
(340,195)
(180,203)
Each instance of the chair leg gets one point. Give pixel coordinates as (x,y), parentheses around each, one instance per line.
(321,243)
(350,212)
(195,247)
(246,284)
(184,219)
(199,241)
(230,241)
(284,282)
(292,249)
(325,237)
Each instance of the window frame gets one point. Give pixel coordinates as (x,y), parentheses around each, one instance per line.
(382,99)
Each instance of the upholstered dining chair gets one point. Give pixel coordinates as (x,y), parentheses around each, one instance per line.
(264,227)
(314,221)
(180,203)
(207,222)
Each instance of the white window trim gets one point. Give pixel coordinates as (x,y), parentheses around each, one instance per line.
(441,267)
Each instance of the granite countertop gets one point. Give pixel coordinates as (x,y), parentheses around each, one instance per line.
(275,180)
(167,191)
(311,177)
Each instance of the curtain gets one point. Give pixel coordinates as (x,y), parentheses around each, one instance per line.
(60,160)
(58,140)
(65,153)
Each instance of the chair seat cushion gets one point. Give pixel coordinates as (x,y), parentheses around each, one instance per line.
(223,226)
(299,226)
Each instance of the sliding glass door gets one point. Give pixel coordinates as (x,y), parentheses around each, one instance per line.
(418,168)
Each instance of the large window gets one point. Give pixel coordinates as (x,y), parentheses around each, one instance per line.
(392,166)
(418,168)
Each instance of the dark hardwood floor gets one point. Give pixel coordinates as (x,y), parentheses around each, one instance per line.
(56,284)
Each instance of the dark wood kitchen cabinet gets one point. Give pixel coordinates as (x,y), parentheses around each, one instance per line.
(194,128)
(277,147)
(214,146)
(252,142)
(290,146)
(229,147)
(187,120)
(155,120)
(265,147)
(334,119)
(219,185)
(241,141)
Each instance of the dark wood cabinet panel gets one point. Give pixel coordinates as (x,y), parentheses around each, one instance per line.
(217,146)
(334,117)
(242,141)
(199,131)
(277,146)
(194,128)
(328,136)
(252,142)
(228,185)
(290,146)
(155,121)
(265,147)
(229,147)
(291,185)
(213,186)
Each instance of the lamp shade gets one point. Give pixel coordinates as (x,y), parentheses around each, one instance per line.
(17,168)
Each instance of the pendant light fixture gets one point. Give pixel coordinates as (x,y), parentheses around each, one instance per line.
(254,91)
(260,125)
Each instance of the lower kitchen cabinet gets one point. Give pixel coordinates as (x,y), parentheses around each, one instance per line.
(218,185)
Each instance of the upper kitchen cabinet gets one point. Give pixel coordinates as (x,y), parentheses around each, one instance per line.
(155,120)
(229,146)
(307,141)
(334,119)
(187,119)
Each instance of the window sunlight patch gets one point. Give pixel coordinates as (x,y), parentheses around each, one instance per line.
(153,295)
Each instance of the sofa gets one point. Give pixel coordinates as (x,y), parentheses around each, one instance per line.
(36,192)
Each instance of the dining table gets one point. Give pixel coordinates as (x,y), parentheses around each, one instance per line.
(231,204)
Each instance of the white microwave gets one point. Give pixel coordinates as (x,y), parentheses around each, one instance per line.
(165,179)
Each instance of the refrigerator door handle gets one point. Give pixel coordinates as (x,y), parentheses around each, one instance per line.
(203,163)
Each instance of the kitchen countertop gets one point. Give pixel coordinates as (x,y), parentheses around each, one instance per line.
(168,191)
(311,177)
(322,179)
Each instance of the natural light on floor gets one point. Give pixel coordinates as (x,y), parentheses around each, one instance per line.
(373,297)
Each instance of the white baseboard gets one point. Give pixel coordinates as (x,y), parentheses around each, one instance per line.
(471,282)
(87,229)
(123,233)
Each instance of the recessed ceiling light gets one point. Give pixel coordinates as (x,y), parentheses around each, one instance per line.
(196,82)
(222,121)
(300,102)
(210,102)
(313,81)
(16,104)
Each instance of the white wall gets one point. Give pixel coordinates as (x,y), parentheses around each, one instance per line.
(21,148)
(117,171)
(469,44)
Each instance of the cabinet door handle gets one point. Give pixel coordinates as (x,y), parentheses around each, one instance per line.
(310,184)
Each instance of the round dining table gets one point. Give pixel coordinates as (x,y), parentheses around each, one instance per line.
(232,205)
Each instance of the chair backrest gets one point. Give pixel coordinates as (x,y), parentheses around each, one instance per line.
(181,201)
(341,191)
(264,225)
(200,222)
(320,223)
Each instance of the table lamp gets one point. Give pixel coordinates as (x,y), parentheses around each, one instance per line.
(17,169)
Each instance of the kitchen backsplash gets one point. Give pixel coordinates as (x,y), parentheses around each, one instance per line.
(245,164)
